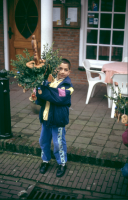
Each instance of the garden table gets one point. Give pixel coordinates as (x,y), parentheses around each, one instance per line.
(114,68)
(110,69)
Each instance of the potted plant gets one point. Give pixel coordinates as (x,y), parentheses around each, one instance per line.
(30,75)
(121,109)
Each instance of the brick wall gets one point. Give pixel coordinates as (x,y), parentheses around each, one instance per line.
(1,37)
(67,41)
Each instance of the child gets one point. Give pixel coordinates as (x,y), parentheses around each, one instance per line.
(55,100)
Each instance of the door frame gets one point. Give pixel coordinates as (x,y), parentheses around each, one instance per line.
(6,40)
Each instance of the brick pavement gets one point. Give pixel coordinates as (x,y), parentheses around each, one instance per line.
(92,136)
(20,172)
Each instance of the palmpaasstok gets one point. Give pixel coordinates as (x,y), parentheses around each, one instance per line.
(120,101)
(29,78)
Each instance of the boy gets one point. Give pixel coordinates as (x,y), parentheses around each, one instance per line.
(55,100)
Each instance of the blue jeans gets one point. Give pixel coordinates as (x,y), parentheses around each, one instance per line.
(60,148)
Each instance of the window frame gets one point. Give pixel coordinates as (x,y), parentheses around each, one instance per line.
(83,34)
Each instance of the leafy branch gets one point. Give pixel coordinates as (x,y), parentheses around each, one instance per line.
(29,78)
(120,101)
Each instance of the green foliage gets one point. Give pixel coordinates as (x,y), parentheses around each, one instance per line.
(121,102)
(33,77)
(52,58)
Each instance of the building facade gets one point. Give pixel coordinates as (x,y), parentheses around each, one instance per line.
(81,29)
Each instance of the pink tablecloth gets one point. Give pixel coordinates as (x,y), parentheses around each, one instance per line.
(114,68)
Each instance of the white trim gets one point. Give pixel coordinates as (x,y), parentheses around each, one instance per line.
(46,23)
(82,32)
(125,52)
(6,42)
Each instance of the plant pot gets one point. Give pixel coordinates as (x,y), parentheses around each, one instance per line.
(35,108)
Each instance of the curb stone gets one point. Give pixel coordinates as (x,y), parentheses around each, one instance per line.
(74,154)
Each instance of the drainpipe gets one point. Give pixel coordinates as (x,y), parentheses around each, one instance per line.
(46,23)
(6,45)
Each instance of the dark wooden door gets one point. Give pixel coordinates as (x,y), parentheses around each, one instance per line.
(24,21)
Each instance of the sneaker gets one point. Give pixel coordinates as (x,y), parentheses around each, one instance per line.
(61,171)
(44,167)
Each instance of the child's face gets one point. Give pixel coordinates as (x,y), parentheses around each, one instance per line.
(63,71)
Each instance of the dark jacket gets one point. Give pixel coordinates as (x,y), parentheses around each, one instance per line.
(59,105)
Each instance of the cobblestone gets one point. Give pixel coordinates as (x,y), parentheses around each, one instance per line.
(114,186)
(75,182)
(111,181)
(90,180)
(117,177)
(84,184)
(101,179)
(108,175)
(66,181)
(103,188)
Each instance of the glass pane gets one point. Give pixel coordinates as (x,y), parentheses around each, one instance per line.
(106,5)
(26,32)
(93,5)
(91,52)
(104,53)
(117,53)
(119,5)
(92,36)
(20,9)
(119,21)
(118,37)
(105,21)
(93,20)
(26,17)
(20,22)
(105,37)
(32,23)
(26,3)
(32,9)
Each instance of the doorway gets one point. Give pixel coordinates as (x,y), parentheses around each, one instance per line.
(24,21)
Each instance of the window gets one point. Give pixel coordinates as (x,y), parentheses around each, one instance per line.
(26,17)
(105,30)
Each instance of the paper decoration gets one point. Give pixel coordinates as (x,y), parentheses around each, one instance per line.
(72,13)
(56,14)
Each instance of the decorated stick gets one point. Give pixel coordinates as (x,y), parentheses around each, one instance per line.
(36,62)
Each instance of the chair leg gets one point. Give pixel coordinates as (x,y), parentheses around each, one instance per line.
(109,93)
(113,103)
(113,109)
(90,88)
(92,94)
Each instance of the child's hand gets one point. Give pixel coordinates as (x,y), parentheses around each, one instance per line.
(50,78)
(39,91)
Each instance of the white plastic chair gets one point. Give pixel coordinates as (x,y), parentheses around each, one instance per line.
(92,81)
(122,80)
(125,59)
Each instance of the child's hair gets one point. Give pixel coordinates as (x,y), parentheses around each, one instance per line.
(66,61)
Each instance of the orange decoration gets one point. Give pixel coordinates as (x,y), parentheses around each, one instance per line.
(124,119)
(24,90)
(36,62)
(33,96)
(19,85)
(50,78)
